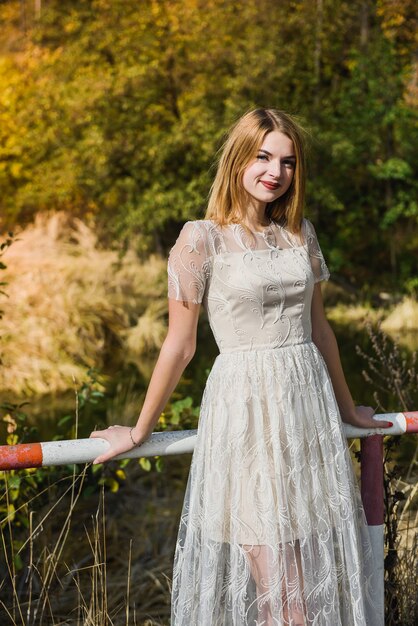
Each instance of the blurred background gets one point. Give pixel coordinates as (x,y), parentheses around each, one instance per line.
(112,113)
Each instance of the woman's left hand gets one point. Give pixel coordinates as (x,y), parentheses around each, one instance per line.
(362,417)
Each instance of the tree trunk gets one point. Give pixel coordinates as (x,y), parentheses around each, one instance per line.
(364,26)
(318,48)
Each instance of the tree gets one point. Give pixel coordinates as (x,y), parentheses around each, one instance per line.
(115,109)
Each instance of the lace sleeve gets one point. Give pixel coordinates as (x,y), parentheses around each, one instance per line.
(187,265)
(319,267)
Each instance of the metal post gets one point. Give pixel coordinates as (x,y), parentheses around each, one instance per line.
(373,502)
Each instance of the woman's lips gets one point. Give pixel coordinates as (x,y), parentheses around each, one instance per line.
(271,186)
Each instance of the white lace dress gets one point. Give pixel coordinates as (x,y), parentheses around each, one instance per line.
(272,530)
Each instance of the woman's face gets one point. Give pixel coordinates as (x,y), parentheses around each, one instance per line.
(269,175)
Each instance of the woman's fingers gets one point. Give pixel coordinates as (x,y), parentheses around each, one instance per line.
(376,424)
(104,457)
(381,424)
(366,420)
(119,441)
(97,433)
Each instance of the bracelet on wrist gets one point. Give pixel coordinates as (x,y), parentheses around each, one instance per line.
(132,439)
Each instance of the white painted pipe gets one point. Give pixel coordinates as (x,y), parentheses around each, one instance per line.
(159,444)
(86,450)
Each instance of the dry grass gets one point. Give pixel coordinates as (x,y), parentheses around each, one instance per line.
(71,303)
(404,317)
(103,560)
(405,578)
(400,322)
(353,314)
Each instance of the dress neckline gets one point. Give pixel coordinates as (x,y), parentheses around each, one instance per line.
(269,234)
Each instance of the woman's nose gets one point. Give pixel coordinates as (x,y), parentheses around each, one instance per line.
(275,168)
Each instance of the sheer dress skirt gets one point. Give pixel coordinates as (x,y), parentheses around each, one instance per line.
(272,530)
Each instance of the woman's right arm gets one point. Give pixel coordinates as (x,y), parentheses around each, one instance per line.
(176,352)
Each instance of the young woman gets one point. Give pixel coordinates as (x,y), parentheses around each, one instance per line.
(272,530)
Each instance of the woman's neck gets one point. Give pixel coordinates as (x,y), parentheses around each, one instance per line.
(255,217)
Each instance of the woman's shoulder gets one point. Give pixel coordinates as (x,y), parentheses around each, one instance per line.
(193,224)
(197,234)
(306,224)
(201,227)
(308,229)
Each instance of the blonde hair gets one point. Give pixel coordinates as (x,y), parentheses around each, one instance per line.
(227,198)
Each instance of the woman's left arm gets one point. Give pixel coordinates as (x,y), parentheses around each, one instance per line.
(324,339)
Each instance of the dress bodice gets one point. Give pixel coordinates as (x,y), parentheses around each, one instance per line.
(255,286)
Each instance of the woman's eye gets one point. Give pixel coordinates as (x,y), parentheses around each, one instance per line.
(289,163)
(261,157)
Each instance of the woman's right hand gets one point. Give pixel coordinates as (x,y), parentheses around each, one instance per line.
(120,439)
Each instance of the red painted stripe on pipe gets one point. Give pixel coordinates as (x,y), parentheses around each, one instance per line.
(372,479)
(21,456)
(411,421)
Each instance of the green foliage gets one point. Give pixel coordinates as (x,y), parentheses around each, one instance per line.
(179,415)
(411,286)
(116,109)
(91,391)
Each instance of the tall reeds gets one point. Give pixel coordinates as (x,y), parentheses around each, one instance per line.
(104,560)
(71,303)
